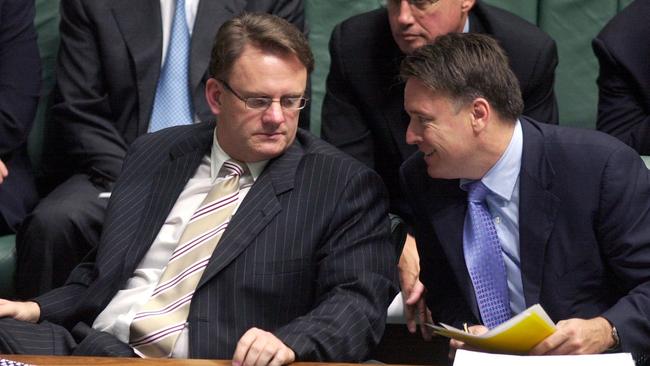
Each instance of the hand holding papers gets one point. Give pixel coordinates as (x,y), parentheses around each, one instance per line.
(517,335)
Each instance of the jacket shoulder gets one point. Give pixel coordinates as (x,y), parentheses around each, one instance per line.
(316,149)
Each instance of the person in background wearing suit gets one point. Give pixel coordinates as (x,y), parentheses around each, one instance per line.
(510,212)
(363,113)
(624,79)
(20,83)
(304,269)
(122,71)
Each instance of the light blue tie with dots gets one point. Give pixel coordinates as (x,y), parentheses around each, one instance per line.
(484,260)
(173,104)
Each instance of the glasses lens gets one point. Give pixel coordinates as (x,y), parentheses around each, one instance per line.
(258,103)
(293,102)
(422,4)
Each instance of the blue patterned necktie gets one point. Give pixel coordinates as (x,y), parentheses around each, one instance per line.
(173,105)
(484,260)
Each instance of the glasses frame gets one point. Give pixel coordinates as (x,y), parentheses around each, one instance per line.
(269,101)
(420,5)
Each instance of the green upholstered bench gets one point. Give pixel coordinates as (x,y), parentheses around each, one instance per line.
(7,265)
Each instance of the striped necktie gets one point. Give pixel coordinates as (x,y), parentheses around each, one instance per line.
(173,104)
(484,260)
(161,320)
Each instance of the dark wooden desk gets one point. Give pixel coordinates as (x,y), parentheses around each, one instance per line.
(107,361)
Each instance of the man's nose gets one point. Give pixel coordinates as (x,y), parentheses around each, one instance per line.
(274,113)
(405,15)
(412,136)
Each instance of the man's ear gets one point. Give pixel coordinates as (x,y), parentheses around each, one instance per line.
(213,91)
(467,5)
(480,111)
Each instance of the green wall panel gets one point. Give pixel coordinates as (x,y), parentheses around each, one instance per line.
(47,27)
(322,16)
(527,9)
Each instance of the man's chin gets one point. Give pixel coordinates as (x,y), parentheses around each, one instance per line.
(269,151)
(409,46)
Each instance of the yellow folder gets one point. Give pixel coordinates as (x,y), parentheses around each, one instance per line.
(517,335)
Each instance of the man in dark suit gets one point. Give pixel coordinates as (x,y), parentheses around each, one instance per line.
(510,212)
(108,70)
(363,114)
(305,268)
(20,81)
(624,79)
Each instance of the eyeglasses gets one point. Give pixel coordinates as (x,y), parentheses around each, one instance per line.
(263,103)
(421,5)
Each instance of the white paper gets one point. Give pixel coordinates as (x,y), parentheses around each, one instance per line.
(470,358)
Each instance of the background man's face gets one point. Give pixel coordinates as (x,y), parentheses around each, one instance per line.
(251,135)
(441,130)
(414,26)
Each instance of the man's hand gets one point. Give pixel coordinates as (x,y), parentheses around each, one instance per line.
(258,347)
(577,337)
(28,311)
(415,308)
(456,344)
(4,172)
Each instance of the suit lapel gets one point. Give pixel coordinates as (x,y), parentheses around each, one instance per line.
(144,43)
(167,184)
(537,210)
(448,223)
(259,207)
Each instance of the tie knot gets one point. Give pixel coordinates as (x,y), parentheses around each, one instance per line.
(477,191)
(232,167)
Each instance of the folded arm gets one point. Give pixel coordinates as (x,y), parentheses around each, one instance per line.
(82,111)
(20,74)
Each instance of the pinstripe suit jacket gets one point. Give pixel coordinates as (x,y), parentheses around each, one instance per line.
(307,255)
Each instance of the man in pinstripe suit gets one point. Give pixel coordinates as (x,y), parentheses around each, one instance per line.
(304,270)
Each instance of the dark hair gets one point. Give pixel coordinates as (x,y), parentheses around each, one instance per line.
(466,66)
(265,31)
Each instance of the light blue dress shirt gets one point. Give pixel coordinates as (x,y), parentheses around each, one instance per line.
(503,203)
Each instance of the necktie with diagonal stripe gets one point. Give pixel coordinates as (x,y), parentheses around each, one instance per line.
(161,320)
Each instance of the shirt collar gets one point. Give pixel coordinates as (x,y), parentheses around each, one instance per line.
(466,26)
(502,177)
(218,157)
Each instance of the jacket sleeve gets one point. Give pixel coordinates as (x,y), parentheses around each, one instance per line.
(342,123)
(81,109)
(623,229)
(355,279)
(539,99)
(619,112)
(20,74)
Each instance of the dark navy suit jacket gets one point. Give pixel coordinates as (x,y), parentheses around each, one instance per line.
(20,82)
(584,232)
(624,79)
(363,109)
(307,256)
